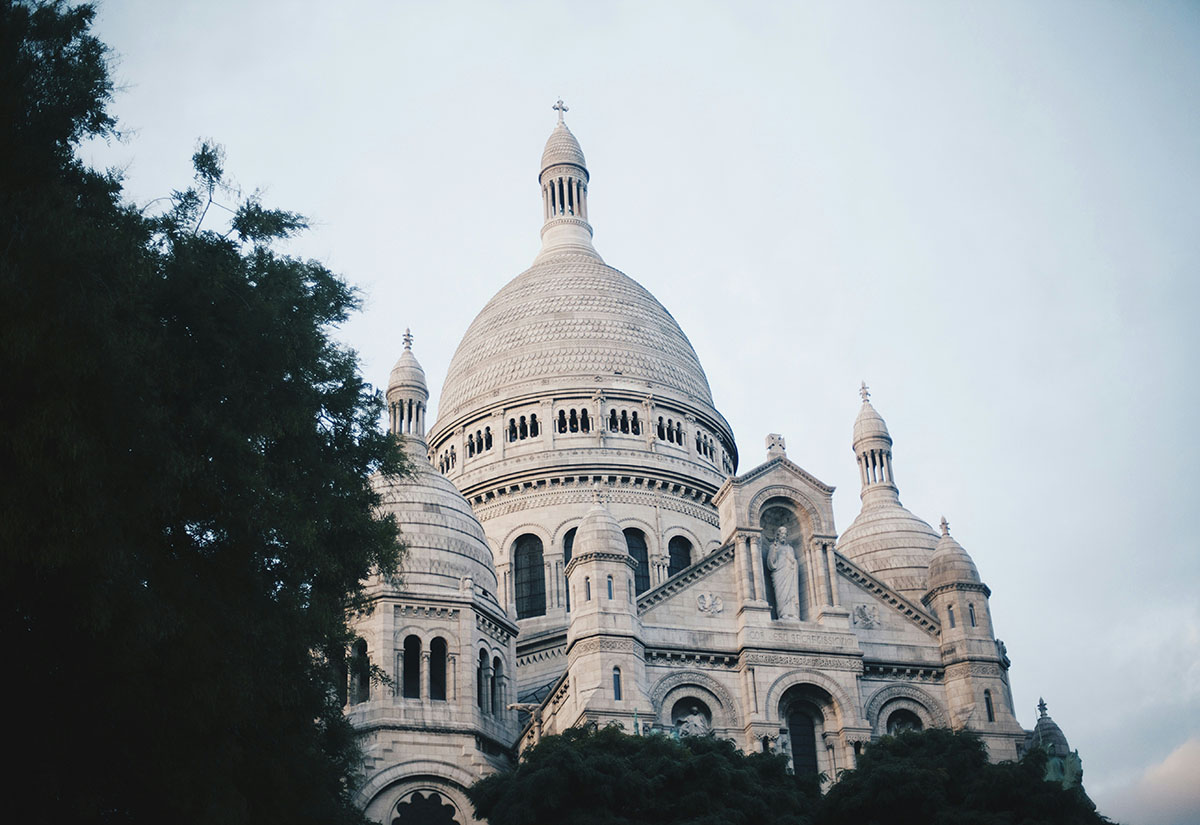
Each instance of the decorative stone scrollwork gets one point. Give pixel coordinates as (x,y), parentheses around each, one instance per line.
(694,682)
(709,603)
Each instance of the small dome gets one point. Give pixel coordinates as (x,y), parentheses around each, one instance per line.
(950,563)
(443,539)
(892,544)
(598,533)
(870,424)
(1047,734)
(562,147)
(407,374)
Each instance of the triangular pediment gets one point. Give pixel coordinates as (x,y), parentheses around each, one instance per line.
(893,602)
(686,579)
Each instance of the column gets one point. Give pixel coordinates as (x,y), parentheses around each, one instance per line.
(741,553)
(818,569)
(831,563)
(756,569)
(452,676)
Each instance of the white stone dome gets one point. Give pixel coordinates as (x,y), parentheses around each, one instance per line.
(407,374)
(870,424)
(562,147)
(598,533)
(444,540)
(892,544)
(950,563)
(561,324)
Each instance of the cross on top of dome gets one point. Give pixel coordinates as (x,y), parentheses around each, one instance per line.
(864,392)
(408,338)
(560,107)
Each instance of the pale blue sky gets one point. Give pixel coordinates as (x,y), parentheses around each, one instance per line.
(988,211)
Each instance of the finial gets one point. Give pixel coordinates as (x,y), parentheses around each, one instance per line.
(864,392)
(1041,708)
(408,338)
(560,107)
(945,527)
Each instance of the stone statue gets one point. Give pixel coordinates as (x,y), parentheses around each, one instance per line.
(693,723)
(781,559)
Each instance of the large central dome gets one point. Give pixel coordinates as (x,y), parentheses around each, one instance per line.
(564,322)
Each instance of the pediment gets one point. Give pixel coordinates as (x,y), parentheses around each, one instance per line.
(688,580)
(889,599)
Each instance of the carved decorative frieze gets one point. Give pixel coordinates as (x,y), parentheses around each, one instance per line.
(964,669)
(805,638)
(426,612)
(791,660)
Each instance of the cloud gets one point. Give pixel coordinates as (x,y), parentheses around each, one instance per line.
(1167,793)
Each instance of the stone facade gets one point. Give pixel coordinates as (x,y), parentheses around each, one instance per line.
(581,542)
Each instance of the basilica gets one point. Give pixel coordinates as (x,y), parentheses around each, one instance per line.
(586,547)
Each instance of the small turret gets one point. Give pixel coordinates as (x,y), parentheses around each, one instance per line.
(873,449)
(564,181)
(407,395)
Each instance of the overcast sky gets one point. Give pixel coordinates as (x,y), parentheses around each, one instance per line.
(988,211)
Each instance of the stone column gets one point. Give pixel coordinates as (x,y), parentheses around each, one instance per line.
(831,564)
(758,582)
(817,554)
(742,560)
(452,676)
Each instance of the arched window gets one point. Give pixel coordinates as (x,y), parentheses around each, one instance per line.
(573,422)
(610,588)
(562,421)
(568,545)
(635,540)
(585,424)
(412,668)
(616,684)
(587,588)
(470,446)
(802,732)
(987,702)
(529,578)
(629,591)
(497,686)
(680,551)
(487,438)
(360,673)
(679,432)
(512,429)
(533,426)
(481,681)
(903,720)
(524,428)
(950,614)
(699,445)
(662,433)
(971,613)
(613,423)
(624,421)
(437,669)
(635,426)
(453,457)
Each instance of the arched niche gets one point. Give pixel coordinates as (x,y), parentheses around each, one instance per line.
(891,698)
(776,514)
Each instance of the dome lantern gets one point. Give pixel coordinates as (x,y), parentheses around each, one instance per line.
(564,181)
(407,394)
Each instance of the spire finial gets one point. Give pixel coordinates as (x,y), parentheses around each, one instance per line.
(1041,708)
(560,107)
(945,527)
(864,392)
(408,338)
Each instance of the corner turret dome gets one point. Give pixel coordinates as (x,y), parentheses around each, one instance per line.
(950,563)
(1047,734)
(444,541)
(407,374)
(870,424)
(598,533)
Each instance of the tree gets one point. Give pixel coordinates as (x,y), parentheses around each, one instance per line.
(610,778)
(940,776)
(186,515)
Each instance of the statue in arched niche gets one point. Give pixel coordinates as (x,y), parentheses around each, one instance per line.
(785,575)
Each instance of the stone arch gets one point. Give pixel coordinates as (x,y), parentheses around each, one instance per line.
(379,795)
(675,686)
(894,697)
(563,528)
(651,536)
(807,510)
(515,533)
(844,709)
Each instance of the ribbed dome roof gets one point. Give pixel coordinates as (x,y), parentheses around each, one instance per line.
(950,563)
(561,323)
(562,147)
(870,424)
(892,544)
(407,374)
(598,533)
(444,539)
(1047,733)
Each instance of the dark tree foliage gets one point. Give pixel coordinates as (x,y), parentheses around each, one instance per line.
(610,778)
(185,516)
(942,777)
